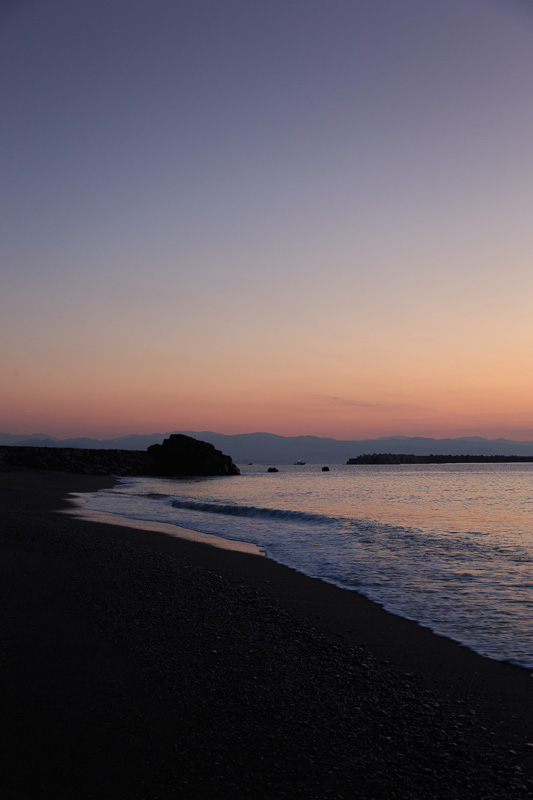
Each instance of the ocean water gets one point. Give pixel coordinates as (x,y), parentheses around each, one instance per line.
(450,546)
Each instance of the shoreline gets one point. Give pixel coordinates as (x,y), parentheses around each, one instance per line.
(218,673)
(240,545)
(107,518)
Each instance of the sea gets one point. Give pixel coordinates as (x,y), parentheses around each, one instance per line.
(449,545)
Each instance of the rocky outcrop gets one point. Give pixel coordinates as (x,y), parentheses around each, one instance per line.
(183,456)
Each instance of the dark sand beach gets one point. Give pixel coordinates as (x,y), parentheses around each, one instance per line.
(136,665)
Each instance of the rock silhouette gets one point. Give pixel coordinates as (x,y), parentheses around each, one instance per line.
(183,455)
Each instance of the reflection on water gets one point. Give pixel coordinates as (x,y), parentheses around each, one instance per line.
(448,545)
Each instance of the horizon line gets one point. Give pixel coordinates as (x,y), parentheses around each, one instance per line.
(44,436)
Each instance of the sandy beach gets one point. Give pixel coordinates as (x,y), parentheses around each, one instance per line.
(139,665)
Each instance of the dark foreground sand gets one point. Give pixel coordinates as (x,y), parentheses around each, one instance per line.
(138,666)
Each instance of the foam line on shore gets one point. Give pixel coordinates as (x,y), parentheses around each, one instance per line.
(177,531)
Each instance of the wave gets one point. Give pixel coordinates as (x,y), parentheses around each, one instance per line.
(255,512)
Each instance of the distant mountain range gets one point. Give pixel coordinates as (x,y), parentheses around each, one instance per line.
(266,448)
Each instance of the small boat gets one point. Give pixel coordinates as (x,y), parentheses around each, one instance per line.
(299,463)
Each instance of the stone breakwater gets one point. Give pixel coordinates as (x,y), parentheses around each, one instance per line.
(178,456)
(71,459)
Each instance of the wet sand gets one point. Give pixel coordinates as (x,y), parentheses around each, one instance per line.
(139,665)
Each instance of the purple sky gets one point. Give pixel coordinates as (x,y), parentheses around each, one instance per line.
(306,217)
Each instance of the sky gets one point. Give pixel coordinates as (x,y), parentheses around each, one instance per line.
(295,216)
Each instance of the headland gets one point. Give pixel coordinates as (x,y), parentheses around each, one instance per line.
(409,458)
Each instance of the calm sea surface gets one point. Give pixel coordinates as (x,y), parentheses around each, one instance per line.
(450,546)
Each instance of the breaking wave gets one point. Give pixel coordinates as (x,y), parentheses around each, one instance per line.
(253,512)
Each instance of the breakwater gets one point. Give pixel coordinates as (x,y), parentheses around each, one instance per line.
(179,455)
(74,459)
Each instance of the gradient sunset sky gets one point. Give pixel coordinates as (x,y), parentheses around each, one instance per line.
(296,216)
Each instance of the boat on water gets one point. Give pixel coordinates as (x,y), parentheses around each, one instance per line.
(299,463)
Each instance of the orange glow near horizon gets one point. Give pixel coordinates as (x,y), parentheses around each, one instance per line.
(360,381)
(278,247)
(100,414)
